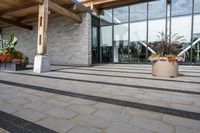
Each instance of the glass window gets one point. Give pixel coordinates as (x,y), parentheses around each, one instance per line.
(121,43)
(157,23)
(181,7)
(106,17)
(196,6)
(138,12)
(157,9)
(181,24)
(196,32)
(106,44)
(120,15)
(138,32)
(155,27)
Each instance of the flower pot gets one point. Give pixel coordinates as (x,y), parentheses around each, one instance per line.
(165,69)
(9,66)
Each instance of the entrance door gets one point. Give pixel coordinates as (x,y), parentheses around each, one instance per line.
(95,45)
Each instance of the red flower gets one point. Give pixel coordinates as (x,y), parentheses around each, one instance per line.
(6,57)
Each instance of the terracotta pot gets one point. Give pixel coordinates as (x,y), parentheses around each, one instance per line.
(165,69)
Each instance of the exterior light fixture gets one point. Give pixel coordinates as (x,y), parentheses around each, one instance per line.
(49,12)
(74,7)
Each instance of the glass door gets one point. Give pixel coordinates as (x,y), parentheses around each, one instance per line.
(95,45)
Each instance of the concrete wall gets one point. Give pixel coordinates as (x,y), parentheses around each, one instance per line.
(67,44)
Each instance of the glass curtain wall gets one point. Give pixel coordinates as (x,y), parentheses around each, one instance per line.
(106,50)
(196,32)
(120,41)
(138,33)
(130,33)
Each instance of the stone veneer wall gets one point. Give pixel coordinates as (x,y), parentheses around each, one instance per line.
(67,44)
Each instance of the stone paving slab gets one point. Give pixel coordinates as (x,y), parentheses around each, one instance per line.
(78,113)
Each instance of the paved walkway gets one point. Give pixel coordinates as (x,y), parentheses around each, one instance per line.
(101,99)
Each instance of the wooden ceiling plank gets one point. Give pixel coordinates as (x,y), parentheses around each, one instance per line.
(18,8)
(8,21)
(97,2)
(101,4)
(38,1)
(81,6)
(118,3)
(95,10)
(60,10)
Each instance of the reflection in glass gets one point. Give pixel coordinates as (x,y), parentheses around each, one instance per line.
(120,15)
(106,17)
(157,22)
(196,6)
(95,52)
(181,7)
(181,24)
(121,43)
(157,9)
(120,34)
(106,43)
(138,12)
(196,32)
(138,29)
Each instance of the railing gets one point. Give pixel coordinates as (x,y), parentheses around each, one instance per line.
(186,49)
(181,53)
(150,49)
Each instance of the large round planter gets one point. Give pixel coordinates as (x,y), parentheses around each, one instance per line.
(165,69)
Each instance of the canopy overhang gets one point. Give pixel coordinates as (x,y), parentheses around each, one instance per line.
(21,12)
(97,5)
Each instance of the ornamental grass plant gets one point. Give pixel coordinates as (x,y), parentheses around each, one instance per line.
(167,48)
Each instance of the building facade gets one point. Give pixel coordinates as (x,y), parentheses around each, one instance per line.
(122,34)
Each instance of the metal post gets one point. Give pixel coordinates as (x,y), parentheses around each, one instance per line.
(147,34)
(129,54)
(192,26)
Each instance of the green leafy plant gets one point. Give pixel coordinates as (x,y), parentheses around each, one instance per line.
(8,52)
(8,46)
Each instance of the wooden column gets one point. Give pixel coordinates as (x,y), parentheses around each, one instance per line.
(42,27)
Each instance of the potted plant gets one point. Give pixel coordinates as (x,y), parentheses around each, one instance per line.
(165,61)
(10,58)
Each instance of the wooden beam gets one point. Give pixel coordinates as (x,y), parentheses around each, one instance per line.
(34,17)
(38,1)
(42,27)
(95,10)
(118,3)
(18,8)
(8,21)
(97,2)
(79,4)
(60,10)
(101,4)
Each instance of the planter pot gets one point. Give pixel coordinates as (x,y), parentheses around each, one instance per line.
(165,69)
(12,67)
